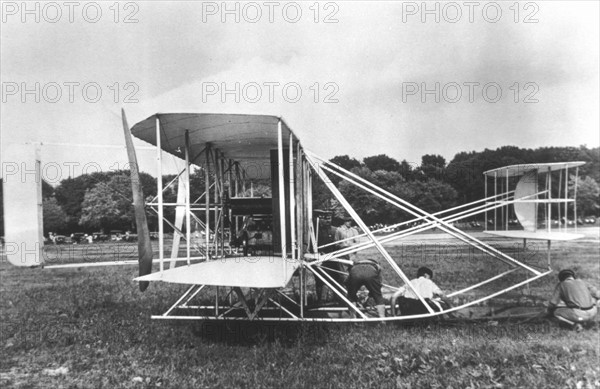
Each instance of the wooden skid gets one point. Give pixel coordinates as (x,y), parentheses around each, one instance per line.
(266,309)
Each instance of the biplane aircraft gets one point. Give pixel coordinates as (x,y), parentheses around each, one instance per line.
(272,282)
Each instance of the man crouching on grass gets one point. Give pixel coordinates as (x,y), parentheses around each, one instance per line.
(573,301)
(409,303)
(366,272)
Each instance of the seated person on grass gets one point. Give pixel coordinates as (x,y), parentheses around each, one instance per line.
(573,301)
(409,303)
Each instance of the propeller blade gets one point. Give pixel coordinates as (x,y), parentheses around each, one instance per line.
(144,244)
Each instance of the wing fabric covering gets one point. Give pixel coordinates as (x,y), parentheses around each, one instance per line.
(144,244)
(526,188)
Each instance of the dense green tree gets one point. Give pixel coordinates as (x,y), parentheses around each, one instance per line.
(70,193)
(430,195)
(394,183)
(465,171)
(55,218)
(346,162)
(382,162)
(108,205)
(322,197)
(592,159)
(408,170)
(47,190)
(588,195)
(197,186)
(426,185)
(366,205)
(433,160)
(432,166)
(434,195)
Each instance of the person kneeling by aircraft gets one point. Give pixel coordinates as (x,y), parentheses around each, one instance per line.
(409,303)
(366,272)
(574,301)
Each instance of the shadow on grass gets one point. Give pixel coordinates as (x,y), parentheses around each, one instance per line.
(263,333)
(290,334)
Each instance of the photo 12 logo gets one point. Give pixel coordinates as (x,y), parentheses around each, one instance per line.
(269,12)
(470,11)
(69,92)
(270,91)
(469,91)
(54,172)
(69,12)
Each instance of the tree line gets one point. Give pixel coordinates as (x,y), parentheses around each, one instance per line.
(434,185)
(102,200)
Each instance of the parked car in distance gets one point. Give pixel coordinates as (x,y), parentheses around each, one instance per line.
(60,239)
(129,237)
(116,235)
(78,237)
(99,237)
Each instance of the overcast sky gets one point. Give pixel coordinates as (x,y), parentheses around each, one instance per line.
(348,77)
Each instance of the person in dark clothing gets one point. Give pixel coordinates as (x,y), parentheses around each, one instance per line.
(366,272)
(574,301)
(334,269)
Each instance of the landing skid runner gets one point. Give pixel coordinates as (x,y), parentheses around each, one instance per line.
(273,305)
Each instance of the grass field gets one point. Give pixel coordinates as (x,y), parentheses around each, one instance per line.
(91,328)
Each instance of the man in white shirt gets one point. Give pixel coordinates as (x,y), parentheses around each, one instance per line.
(346,236)
(408,301)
